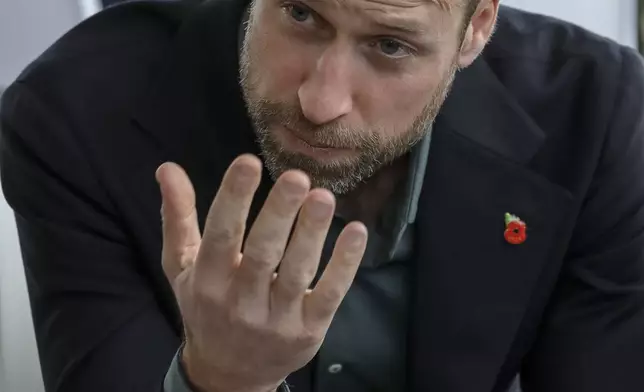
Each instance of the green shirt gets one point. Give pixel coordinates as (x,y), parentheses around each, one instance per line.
(365,347)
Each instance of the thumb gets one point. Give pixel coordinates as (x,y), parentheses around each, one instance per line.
(181,235)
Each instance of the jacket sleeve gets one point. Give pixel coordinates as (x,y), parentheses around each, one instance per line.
(592,337)
(97,323)
(176,379)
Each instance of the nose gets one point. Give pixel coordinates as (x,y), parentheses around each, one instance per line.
(326,94)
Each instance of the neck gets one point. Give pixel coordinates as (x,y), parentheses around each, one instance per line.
(367,202)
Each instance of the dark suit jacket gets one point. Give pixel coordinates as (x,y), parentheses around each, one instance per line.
(547,125)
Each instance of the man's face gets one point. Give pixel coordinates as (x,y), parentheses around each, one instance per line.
(339,88)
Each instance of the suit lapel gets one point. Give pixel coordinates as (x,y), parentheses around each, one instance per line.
(472,287)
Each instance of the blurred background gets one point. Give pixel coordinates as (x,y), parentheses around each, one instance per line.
(27,27)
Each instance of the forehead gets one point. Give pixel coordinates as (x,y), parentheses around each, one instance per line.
(436,5)
(431,15)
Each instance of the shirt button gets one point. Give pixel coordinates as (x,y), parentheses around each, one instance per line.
(335,368)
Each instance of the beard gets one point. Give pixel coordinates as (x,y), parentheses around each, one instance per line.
(340,176)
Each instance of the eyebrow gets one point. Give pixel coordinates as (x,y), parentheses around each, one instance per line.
(404,26)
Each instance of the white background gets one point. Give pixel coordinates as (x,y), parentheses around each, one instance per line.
(27,27)
(616,19)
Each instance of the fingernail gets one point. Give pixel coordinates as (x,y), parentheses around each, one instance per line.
(293,187)
(358,236)
(245,170)
(157,172)
(320,209)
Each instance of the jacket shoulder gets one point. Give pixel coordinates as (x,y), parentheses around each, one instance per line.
(107,57)
(558,72)
(569,82)
(521,34)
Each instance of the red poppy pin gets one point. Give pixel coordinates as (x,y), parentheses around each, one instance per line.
(515,229)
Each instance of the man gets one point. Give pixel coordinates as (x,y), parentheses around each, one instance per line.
(496,232)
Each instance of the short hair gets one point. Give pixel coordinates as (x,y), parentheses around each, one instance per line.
(470,9)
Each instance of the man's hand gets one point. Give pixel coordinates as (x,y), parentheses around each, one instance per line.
(248,328)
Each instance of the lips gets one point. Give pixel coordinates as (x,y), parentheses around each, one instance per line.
(310,143)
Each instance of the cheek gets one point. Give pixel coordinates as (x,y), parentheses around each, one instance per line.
(279,65)
(410,95)
(394,103)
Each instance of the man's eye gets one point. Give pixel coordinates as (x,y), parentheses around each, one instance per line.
(298,13)
(392,48)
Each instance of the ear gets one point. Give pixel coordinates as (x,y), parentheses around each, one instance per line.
(478,32)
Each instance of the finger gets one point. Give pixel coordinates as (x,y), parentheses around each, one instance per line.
(181,236)
(226,221)
(302,257)
(324,300)
(264,247)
